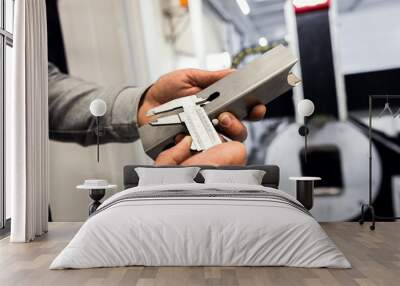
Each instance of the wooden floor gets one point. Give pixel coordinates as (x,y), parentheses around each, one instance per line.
(375,257)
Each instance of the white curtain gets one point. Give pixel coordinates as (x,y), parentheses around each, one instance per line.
(27,124)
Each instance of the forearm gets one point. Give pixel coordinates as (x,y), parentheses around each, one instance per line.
(70,119)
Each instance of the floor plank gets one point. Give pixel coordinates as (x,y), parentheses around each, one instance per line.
(375,257)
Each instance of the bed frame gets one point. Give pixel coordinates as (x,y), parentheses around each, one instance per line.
(271,177)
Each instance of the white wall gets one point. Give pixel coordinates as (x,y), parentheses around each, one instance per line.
(369,36)
(104,43)
(160,54)
(220,38)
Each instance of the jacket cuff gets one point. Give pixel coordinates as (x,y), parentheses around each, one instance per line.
(124,113)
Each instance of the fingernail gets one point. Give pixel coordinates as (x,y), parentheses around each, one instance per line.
(225,120)
(187,140)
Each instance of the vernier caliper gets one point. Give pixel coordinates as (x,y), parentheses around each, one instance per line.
(195,118)
(258,82)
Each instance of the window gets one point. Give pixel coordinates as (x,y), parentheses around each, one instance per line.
(6,43)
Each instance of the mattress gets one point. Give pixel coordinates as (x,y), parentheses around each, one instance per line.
(201,225)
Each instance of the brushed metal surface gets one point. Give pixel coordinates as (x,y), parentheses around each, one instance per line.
(260,81)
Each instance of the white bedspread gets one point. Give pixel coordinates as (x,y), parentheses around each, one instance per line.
(205,230)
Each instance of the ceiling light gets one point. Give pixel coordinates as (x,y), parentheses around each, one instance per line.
(263,42)
(244,6)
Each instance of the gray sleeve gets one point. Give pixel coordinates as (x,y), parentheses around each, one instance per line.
(70,119)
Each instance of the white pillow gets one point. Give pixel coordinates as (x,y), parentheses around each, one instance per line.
(166,176)
(247,177)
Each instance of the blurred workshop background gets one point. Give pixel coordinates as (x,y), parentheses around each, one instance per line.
(348,50)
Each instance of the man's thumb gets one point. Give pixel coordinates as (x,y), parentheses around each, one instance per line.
(205,78)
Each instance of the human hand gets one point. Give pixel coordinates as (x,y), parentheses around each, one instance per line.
(188,82)
(227,153)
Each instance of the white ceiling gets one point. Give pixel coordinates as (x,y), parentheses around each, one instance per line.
(266,18)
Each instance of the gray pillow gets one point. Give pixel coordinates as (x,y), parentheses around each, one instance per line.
(246,177)
(166,176)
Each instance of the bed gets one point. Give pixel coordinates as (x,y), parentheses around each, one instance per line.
(201,224)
